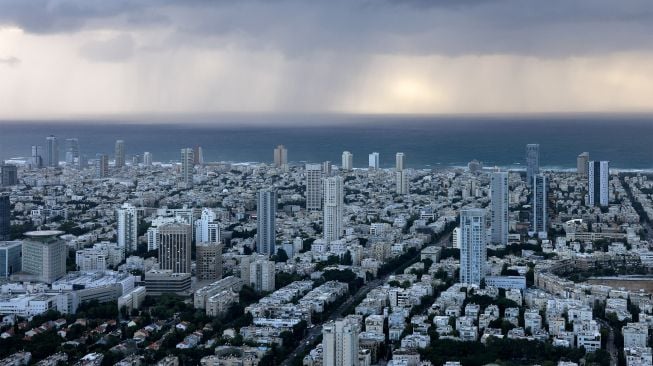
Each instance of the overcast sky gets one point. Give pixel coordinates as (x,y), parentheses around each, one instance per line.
(102,57)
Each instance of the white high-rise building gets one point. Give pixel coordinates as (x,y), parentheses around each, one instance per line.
(539,203)
(347,161)
(598,179)
(198,155)
(499,193)
(52,151)
(326,168)
(266,212)
(174,241)
(399,161)
(313,187)
(333,208)
(153,231)
(147,158)
(44,255)
(280,156)
(456,237)
(187,166)
(473,251)
(373,160)
(127,217)
(102,166)
(120,153)
(532,162)
(340,343)
(401,178)
(261,275)
(207,230)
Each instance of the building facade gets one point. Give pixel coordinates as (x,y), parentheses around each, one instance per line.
(187,166)
(473,251)
(340,343)
(127,220)
(313,187)
(266,212)
(539,202)
(208,264)
(532,162)
(52,151)
(582,162)
(373,161)
(44,255)
(598,183)
(499,193)
(119,154)
(174,240)
(333,208)
(280,156)
(347,161)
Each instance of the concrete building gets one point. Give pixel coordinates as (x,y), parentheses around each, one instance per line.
(51,151)
(333,208)
(261,275)
(127,221)
(598,183)
(187,166)
(401,178)
(327,168)
(174,241)
(347,161)
(72,152)
(10,258)
(456,238)
(36,158)
(208,264)
(207,230)
(147,158)
(340,343)
(8,175)
(266,212)
(165,281)
(198,155)
(44,255)
(119,154)
(499,207)
(539,202)
(5,216)
(313,187)
(473,251)
(102,166)
(582,162)
(532,162)
(280,156)
(373,161)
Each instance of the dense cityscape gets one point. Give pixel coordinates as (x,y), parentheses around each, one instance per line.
(124,260)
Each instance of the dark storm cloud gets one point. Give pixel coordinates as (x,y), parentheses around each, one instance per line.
(296,28)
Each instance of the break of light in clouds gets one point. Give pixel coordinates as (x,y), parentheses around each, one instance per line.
(75,57)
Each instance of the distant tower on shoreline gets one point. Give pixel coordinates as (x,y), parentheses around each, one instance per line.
(532,162)
(119,154)
(347,161)
(280,156)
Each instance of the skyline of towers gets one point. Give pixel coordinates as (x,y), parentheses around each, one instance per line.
(340,343)
(333,208)
(174,241)
(539,199)
(499,193)
(119,154)
(127,231)
(373,161)
(266,212)
(52,151)
(347,161)
(187,166)
(207,230)
(598,183)
(401,179)
(313,187)
(582,162)
(280,156)
(5,216)
(102,166)
(532,162)
(473,249)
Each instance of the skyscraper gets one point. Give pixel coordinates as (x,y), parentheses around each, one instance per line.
(326,168)
(582,164)
(532,162)
(147,158)
(8,175)
(36,161)
(102,166)
(52,151)
(72,152)
(280,156)
(347,161)
(120,153)
(127,220)
(473,252)
(340,343)
(208,265)
(401,178)
(266,211)
(187,166)
(207,230)
(5,216)
(539,203)
(198,155)
(333,208)
(598,179)
(10,257)
(44,255)
(500,204)
(261,275)
(313,187)
(373,160)
(174,241)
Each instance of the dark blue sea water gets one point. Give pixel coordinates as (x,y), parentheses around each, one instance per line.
(627,141)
